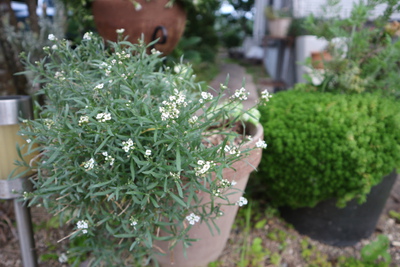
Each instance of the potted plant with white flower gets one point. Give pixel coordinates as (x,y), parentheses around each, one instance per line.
(136,156)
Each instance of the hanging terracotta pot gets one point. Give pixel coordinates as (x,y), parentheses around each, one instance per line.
(153,20)
(210,246)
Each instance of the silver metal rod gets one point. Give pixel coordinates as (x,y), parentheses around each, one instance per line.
(25,233)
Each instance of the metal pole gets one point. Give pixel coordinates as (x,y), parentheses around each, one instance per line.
(25,233)
(12,109)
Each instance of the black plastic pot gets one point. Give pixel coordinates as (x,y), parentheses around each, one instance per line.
(341,226)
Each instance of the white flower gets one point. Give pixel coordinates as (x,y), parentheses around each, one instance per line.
(48,123)
(63,258)
(103,117)
(52,37)
(240,94)
(261,144)
(28,140)
(206,96)
(54,47)
(138,6)
(108,158)
(192,218)
(224,183)
(82,225)
(155,51)
(133,222)
(193,119)
(128,145)
(83,119)
(241,202)
(170,109)
(59,75)
(266,95)
(204,167)
(88,165)
(233,183)
(148,152)
(88,36)
(99,86)
(120,31)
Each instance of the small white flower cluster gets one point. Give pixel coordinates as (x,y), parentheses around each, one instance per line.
(63,258)
(59,75)
(88,36)
(216,192)
(241,202)
(106,67)
(232,150)
(193,119)
(265,95)
(82,225)
(240,94)
(155,51)
(83,119)
(99,86)
(133,222)
(171,107)
(52,37)
(48,123)
(205,96)
(28,140)
(120,31)
(103,117)
(193,218)
(174,175)
(89,165)
(108,158)
(204,166)
(123,55)
(128,145)
(261,144)
(147,154)
(225,183)
(180,68)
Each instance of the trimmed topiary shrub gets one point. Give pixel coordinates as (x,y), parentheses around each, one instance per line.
(324,145)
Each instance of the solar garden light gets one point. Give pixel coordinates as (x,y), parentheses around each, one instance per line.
(12,110)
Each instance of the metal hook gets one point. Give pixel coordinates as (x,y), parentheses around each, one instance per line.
(164,35)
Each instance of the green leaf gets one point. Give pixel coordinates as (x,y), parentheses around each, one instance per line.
(178,159)
(177,199)
(102,144)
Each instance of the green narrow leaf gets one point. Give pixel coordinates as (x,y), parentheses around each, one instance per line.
(179,188)
(177,199)
(132,168)
(178,159)
(102,145)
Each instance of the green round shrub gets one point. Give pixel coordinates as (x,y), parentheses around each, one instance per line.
(323,145)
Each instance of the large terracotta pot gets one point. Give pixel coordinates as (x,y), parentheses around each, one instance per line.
(210,247)
(153,20)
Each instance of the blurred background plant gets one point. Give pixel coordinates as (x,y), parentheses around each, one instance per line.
(24,30)
(364,47)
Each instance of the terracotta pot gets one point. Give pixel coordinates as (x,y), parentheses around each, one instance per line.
(152,20)
(279,27)
(210,247)
(318,59)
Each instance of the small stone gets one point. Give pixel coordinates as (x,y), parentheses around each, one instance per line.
(396,243)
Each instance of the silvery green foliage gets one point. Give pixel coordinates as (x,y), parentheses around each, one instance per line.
(123,146)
